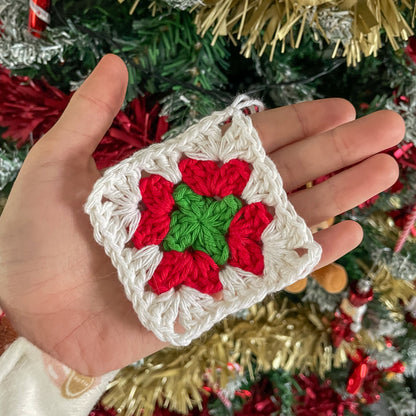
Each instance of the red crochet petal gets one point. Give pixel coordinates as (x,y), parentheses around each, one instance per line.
(244,238)
(155,220)
(198,175)
(205,178)
(250,221)
(232,178)
(247,255)
(157,194)
(152,229)
(204,276)
(196,270)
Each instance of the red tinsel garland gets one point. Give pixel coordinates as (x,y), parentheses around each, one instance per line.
(320,399)
(263,400)
(28,109)
(410,49)
(131,130)
(100,410)
(317,399)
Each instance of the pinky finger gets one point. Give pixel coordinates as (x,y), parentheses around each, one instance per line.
(337,241)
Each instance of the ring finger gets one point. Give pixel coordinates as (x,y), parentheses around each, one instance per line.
(345,190)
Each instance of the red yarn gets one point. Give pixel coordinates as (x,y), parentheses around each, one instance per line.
(205,178)
(157,194)
(155,220)
(197,269)
(152,229)
(194,269)
(244,238)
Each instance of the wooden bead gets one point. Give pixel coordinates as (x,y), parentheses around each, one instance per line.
(333,277)
(298,286)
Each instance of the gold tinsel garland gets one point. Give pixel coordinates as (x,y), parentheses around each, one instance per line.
(276,334)
(267,23)
(387,231)
(353,26)
(394,292)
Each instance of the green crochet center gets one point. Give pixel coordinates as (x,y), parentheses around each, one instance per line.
(201,222)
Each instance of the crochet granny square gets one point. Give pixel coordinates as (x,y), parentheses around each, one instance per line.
(200,226)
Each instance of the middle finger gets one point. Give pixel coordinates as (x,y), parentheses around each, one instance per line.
(308,159)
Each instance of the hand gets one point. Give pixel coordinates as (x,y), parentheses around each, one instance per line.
(58,287)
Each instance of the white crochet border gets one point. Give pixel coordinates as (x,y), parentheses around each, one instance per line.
(113,209)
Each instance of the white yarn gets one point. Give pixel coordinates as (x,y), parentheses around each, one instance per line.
(113,206)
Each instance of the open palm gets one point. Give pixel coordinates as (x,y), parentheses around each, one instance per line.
(59,288)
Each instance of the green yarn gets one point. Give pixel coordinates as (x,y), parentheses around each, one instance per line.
(201,222)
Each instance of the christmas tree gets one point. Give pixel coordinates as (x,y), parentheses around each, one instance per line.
(340,342)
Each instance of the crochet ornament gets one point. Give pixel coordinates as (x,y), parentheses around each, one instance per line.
(200,227)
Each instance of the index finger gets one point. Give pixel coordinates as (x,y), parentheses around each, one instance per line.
(281,126)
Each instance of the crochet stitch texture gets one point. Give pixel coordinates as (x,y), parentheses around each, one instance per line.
(200,226)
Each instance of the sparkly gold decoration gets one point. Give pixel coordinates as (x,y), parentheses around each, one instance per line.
(394,293)
(276,334)
(353,25)
(387,231)
(363,340)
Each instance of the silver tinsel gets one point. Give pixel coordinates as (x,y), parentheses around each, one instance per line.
(400,266)
(400,403)
(232,386)
(389,328)
(9,168)
(403,404)
(283,86)
(335,23)
(183,4)
(380,408)
(364,285)
(407,109)
(324,300)
(410,370)
(19,49)
(386,358)
(290,93)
